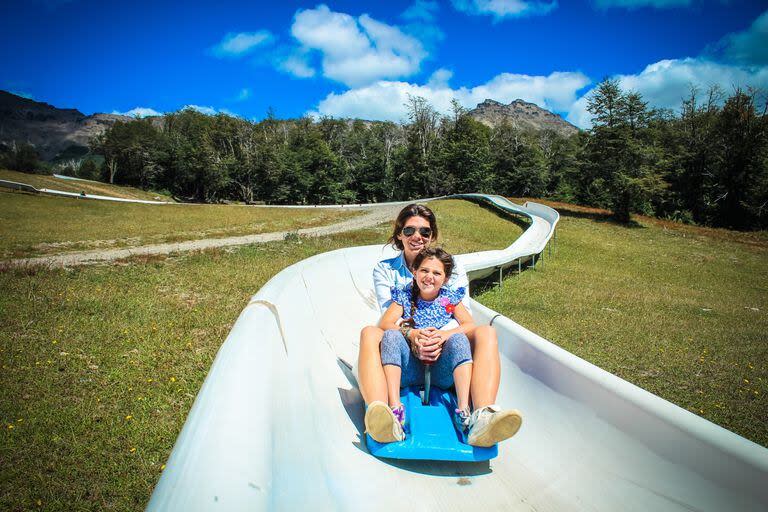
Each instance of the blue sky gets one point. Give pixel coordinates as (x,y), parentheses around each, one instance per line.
(362,59)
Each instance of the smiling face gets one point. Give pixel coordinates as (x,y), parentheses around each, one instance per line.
(430,277)
(414,243)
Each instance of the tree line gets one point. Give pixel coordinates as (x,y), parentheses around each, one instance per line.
(706,164)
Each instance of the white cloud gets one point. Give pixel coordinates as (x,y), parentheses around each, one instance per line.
(209,111)
(148,112)
(636,4)
(244,94)
(22,94)
(297,66)
(440,78)
(747,47)
(238,45)
(356,51)
(421,10)
(664,84)
(385,100)
(501,9)
(139,112)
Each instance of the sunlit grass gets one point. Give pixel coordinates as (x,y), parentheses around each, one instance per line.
(34,225)
(677,310)
(89,187)
(100,365)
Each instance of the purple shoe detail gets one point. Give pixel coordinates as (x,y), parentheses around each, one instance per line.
(399,413)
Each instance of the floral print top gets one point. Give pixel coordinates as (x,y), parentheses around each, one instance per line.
(435,313)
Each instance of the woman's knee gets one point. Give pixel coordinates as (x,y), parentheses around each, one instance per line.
(485,337)
(371,336)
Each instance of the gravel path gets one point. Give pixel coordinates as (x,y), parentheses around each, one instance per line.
(375,215)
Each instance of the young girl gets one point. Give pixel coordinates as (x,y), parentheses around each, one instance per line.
(426,306)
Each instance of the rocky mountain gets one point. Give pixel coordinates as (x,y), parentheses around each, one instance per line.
(53,131)
(521,114)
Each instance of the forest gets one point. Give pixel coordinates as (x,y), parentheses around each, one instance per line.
(705,164)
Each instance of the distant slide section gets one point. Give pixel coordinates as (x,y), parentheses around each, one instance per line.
(278,423)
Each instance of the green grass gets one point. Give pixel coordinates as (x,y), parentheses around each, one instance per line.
(89,187)
(100,365)
(35,225)
(677,310)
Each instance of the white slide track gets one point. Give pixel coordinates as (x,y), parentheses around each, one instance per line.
(278,423)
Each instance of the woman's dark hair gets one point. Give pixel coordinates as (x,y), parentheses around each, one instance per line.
(412,210)
(429,252)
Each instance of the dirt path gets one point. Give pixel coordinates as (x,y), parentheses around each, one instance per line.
(375,215)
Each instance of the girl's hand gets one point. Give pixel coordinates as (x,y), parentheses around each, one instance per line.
(429,349)
(439,336)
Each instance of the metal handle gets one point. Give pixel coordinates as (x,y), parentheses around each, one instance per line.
(427,383)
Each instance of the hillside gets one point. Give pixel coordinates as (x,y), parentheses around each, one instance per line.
(89,187)
(67,133)
(50,129)
(521,114)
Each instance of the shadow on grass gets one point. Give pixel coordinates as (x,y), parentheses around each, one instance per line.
(604,217)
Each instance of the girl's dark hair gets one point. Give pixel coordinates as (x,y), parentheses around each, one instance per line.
(412,210)
(429,252)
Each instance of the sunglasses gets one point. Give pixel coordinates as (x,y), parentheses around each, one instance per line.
(424,232)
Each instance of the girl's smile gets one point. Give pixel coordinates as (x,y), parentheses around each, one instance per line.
(430,277)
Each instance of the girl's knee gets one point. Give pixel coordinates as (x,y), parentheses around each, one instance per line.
(392,348)
(457,342)
(392,337)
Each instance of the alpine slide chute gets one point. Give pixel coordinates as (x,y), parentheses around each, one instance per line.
(278,422)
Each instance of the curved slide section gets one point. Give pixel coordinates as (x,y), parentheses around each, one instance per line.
(278,423)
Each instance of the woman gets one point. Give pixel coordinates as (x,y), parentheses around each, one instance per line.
(416,228)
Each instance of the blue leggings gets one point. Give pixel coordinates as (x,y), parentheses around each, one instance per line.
(396,351)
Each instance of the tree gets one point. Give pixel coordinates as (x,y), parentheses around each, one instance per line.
(740,177)
(620,160)
(464,155)
(519,166)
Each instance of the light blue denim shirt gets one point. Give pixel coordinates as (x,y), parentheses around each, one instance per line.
(394,272)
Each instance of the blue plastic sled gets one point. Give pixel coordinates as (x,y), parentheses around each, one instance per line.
(430,434)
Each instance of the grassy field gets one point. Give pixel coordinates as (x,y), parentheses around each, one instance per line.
(678,310)
(35,225)
(100,365)
(89,187)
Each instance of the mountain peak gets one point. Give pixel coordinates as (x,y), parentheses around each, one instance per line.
(49,129)
(521,114)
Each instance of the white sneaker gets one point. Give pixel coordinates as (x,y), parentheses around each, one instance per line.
(381,423)
(490,425)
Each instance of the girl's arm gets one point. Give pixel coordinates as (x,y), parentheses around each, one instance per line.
(466,323)
(393,313)
(389,321)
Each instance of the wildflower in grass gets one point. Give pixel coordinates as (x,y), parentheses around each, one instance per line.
(10,427)
(172,379)
(746,381)
(133,450)
(129,417)
(162,467)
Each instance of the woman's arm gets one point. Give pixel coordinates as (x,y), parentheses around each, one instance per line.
(382,281)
